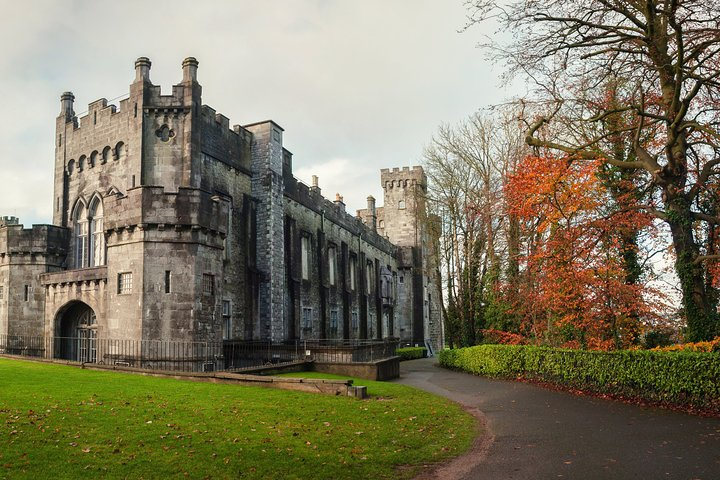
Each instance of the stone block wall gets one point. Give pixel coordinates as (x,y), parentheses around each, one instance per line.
(267,188)
(349,308)
(25,254)
(206,225)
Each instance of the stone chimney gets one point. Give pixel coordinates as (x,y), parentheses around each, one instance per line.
(372,213)
(339,202)
(142,69)
(314,188)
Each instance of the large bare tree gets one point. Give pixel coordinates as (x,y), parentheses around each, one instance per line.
(663,59)
(467,165)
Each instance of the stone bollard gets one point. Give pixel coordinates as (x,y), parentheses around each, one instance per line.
(357,392)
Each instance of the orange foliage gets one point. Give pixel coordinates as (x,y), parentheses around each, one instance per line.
(710,346)
(504,338)
(573,290)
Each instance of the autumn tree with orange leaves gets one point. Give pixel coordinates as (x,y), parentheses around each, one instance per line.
(574,288)
(662,59)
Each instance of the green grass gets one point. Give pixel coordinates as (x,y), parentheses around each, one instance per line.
(62,422)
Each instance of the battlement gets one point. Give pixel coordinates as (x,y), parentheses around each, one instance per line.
(211,118)
(403,177)
(311,198)
(152,206)
(9,221)
(38,240)
(141,91)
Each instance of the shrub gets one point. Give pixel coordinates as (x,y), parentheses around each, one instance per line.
(681,377)
(410,353)
(710,346)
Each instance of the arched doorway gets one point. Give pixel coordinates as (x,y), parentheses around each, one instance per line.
(77,328)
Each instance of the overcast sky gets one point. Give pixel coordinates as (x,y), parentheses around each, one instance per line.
(357,86)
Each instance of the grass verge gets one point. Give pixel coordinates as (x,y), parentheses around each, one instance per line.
(70,423)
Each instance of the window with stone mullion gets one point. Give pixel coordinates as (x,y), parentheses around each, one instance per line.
(81,243)
(96,235)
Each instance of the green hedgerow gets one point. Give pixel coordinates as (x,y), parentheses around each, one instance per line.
(682,377)
(410,353)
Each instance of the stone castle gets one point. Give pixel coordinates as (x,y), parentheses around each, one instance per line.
(168,224)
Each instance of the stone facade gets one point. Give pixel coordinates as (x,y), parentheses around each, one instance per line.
(168,224)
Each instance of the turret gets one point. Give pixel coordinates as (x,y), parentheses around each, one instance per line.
(405,189)
(66,106)
(142,69)
(4,221)
(190,66)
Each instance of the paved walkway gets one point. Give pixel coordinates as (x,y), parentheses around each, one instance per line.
(535,433)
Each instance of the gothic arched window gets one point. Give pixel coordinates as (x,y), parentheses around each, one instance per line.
(81,236)
(96,234)
(89,234)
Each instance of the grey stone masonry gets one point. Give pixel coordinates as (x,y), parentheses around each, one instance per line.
(169,224)
(25,254)
(267,187)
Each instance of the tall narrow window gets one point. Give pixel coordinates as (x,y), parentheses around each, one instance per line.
(305,257)
(106,154)
(226,241)
(227,320)
(2,292)
(97,234)
(307,318)
(28,293)
(168,277)
(81,237)
(208,284)
(354,320)
(333,321)
(332,259)
(369,277)
(119,151)
(352,273)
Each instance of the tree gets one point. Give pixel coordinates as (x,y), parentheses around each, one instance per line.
(467,166)
(663,58)
(575,289)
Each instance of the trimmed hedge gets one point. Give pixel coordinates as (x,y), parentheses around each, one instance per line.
(410,353)
(680,378)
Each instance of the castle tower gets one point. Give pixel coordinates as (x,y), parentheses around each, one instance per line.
(403,221)
(404,208)
(146,216)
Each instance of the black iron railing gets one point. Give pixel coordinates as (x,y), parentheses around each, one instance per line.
(194,356)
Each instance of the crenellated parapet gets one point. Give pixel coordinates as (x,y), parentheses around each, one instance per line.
(154,208)
(219,142)
(403,177)
(311,198)
(40,240)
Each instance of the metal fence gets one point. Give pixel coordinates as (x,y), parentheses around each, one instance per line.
(195,356)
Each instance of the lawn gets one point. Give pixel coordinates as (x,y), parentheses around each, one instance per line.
(63,422)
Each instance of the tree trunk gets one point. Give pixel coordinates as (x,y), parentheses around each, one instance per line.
(699,311)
